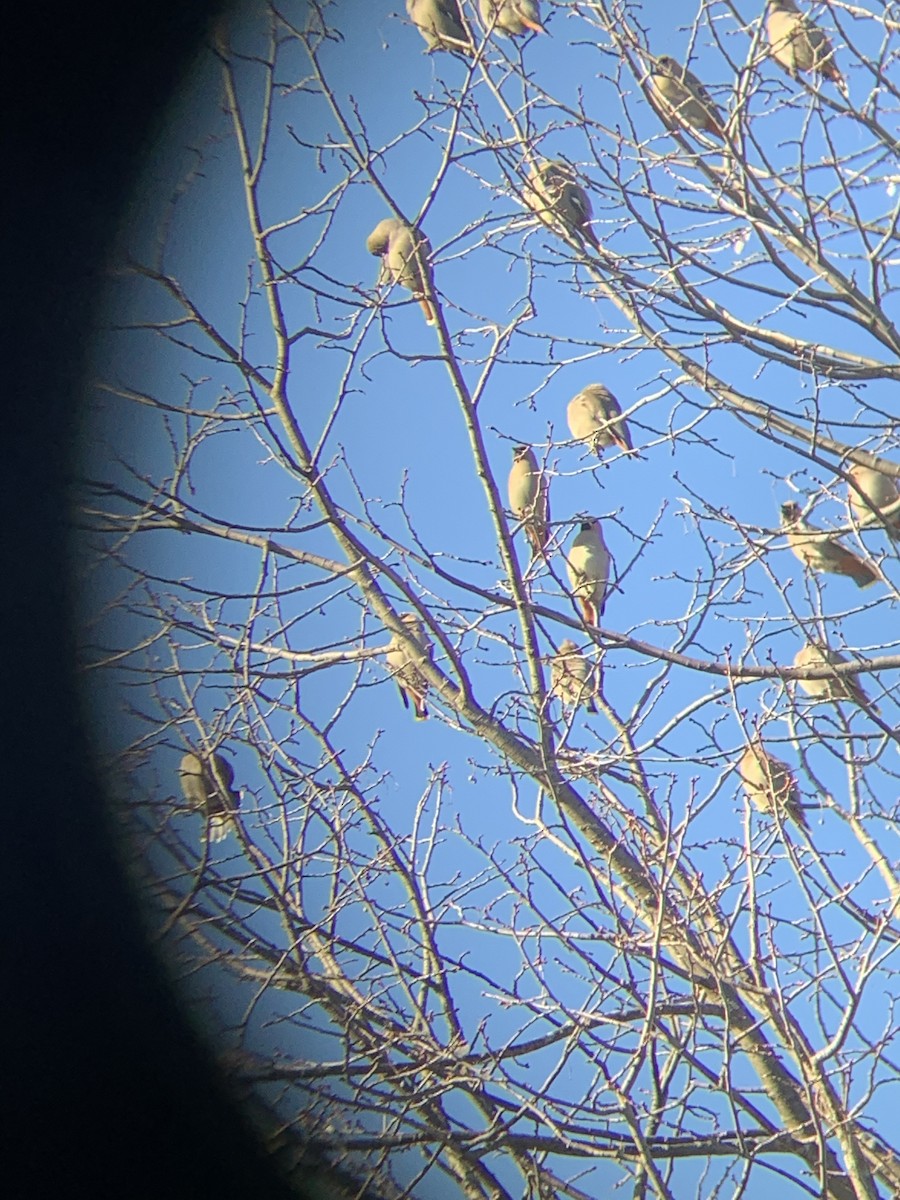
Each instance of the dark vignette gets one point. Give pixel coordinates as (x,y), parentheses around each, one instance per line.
(109,1094)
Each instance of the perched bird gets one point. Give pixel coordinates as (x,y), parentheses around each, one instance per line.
(207,787)
(819,552)
(573,680)
(587,565)
(529,497)
(839,687)
(440,24)
(769,783)
(882,493)
(405,259)
(682,96)
(552,191)
(511,17)
(412,684)
(595,417)
(799,44)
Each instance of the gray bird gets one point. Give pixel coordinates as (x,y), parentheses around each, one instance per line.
(511,17)
(206,785)
(770,784)
(440,23)
(402,664)
(819,552)
(553,192)
(573,680)
(405,255)
(587,566)
(595,417)
(839,687)
(682,97)
(882,494)
(529,498)
(798,44)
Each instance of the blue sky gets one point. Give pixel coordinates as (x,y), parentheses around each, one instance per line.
(371,390)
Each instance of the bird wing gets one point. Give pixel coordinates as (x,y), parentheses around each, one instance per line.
(842,561)
(694,85)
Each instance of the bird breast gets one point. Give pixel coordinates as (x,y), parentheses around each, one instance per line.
(588,563)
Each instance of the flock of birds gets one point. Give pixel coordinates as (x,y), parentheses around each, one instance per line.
(794,40)
(595,416)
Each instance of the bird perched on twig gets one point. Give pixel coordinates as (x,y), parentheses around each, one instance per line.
(441,24)
(819,552)
(573,680)
(529,498)
(798,44)
(402,663)
(770,784)
(511,17)
(587,566)
(838,687)
(553,192)
(405,255)
(881,492)
(682,97)
(595,417)
(206,784)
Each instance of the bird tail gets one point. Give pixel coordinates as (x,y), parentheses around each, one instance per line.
(538,537)
(535,26)
(855,692)
(714,126)
(427,309)
(794,809)
(421,709)
(588,611)
(830,71)
(865,576)
(589,236)
(862,573)
(218,828)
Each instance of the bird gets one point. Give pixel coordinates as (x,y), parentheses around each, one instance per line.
(206,784)
(682,96)
(573,680)
(529,497)
(405,255)
(587,566)
(819,552)
(440,24)
(881,492)
(595,417)
(411,682)
(770,784)
(798,44)
(552,191)
(511,17)
(839,687)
